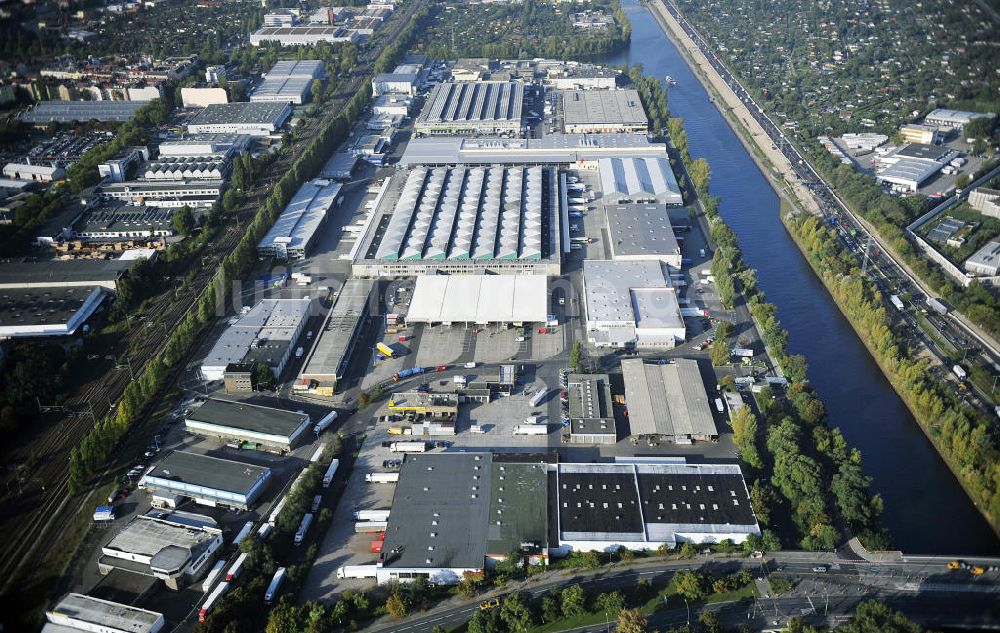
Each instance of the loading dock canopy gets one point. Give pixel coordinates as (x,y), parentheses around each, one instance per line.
(478,299)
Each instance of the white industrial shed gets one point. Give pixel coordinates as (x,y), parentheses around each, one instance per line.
(639,180)
(478,299)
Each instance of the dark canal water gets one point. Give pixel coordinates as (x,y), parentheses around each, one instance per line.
(925,508)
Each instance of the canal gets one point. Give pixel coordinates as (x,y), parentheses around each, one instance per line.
(925,508)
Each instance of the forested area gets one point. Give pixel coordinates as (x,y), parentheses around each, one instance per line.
(522,30)
(963,436)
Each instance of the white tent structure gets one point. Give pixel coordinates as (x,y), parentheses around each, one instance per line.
(478,299)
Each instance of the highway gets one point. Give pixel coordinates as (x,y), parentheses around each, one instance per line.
(866,245)
(922,588)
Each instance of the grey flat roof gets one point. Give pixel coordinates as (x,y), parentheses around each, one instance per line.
(911,170)
(609,284)
(329,354)
(987,257)
(551,148)
(296,68)
(148,536)
(441,501)
(518,507)
(611,107)
(479,101)
(638,230)
(589,396)
(210,472)
(104,613)
(241,416)
(639,178)
(98,271)
(667,399)
(240,112)
(69,111)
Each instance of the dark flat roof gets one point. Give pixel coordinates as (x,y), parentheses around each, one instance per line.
(210,472)
(923,150)
(518,507)
(241,416)
(73,271)
(695,499)
(599,502)
(42,306)
(441,501)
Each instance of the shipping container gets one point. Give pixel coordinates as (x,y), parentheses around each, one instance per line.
(272,589)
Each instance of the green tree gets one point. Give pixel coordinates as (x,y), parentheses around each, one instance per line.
(183,220)
(573,601)
(745,436)
(609,603)
(263,377)
(551,611)
(516,614)
(576,358)
(486,622)
(396,605)
(690,585)
(720,346)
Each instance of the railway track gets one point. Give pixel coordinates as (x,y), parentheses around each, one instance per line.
(27,518)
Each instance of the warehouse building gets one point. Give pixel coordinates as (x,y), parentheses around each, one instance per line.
(176,553)
(340,166)
(252,119)
(631,304)
(85,273)
(181,168)
(303,35)
(602,112)
(301,69)
(392,105)
(986,201)
(650,179)
(197,194)
(207,480)
(331,354)
(913,164)
(455,513)
(591,414)
(479,299)
(33,173)
(289,82)
(247,424)
(217,145)
(985,261)
(642,232)
(266,335)
(499,219)
(472,108)
(45,112)
(578,150)
(668,401)
(296,228)
(123,223)
(49,310)
(865,141)
(395,83)
(77,612)
(952,119)
(916,133)
(202,97)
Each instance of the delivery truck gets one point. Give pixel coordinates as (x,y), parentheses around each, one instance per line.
(385,350)
(325,422)
(960,372)
(300,534)
(330,472)
(531,429)
(275,586)
(382,478)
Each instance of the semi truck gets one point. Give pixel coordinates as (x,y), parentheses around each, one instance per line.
(531,429)
(325,422)
(330,472)
(264,531)
(206,607)
(243,533)
(357,571)
(300,534)
(406,373)
(385,350)
(317,453)
(371,515)
(408,447)
(212,575)
(317,502)
(382,478)
(937,306)
(273,517)
(234,571)
(538,397)
(272,589)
